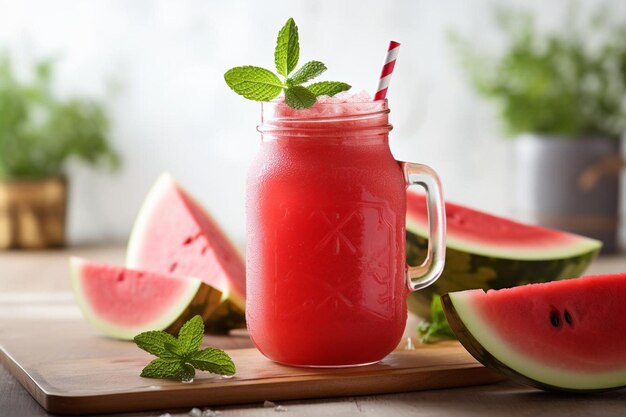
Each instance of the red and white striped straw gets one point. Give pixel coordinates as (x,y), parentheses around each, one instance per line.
(385,74)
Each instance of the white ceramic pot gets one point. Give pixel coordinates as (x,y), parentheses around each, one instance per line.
(570,184)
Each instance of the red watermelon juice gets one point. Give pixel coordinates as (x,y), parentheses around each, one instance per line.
(326,275)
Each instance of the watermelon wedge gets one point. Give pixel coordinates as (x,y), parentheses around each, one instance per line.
(565,335)
(173,234)
(491,252)
(122,303)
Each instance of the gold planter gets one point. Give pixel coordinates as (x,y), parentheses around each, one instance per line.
(32,213)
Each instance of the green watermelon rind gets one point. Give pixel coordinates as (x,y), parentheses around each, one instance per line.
(578,245)
(163,184)
(465,271)
(168,316)
(227,316)
(478,338)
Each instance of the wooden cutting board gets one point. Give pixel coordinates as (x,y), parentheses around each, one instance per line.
(70,369)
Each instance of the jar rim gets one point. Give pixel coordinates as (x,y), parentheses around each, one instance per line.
(278,109)
(366,117)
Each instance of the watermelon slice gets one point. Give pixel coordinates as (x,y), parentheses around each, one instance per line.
(123,303)
(565,335)
(173,234)
(486,251)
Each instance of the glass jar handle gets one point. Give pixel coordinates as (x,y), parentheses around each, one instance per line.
(425,274)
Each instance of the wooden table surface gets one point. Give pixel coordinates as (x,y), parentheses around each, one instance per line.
(36,285)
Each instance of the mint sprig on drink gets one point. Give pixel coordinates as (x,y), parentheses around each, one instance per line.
(178,358)
(260,84)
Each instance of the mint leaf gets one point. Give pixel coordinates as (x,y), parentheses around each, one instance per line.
(299,97)
(437,327)
(287,50)
(328,88)
(179,358)
(307,72)
(154,342)
(162,368)
(254,83)
(174,349)
(190,335)
(213,360)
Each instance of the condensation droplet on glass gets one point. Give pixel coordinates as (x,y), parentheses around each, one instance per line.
(227,376)
(279,409)
(187,380)
(211,413)
(409,344)
(195,412)
(269,404)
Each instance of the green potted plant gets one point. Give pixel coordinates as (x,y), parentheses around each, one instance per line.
(563,97)
(39,134)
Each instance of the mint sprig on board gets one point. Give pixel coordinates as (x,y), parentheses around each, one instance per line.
(260,84)
(178,358)
(437,327)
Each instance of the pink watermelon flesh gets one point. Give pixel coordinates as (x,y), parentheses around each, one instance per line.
(577,324)
(493,235)
(128,297)
(122,303)
(174,235)
(567,334)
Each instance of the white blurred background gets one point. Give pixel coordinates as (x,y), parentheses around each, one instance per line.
(159,65)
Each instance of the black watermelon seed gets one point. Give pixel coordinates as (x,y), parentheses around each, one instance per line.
(554,318)
(173,266)
(568,317)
